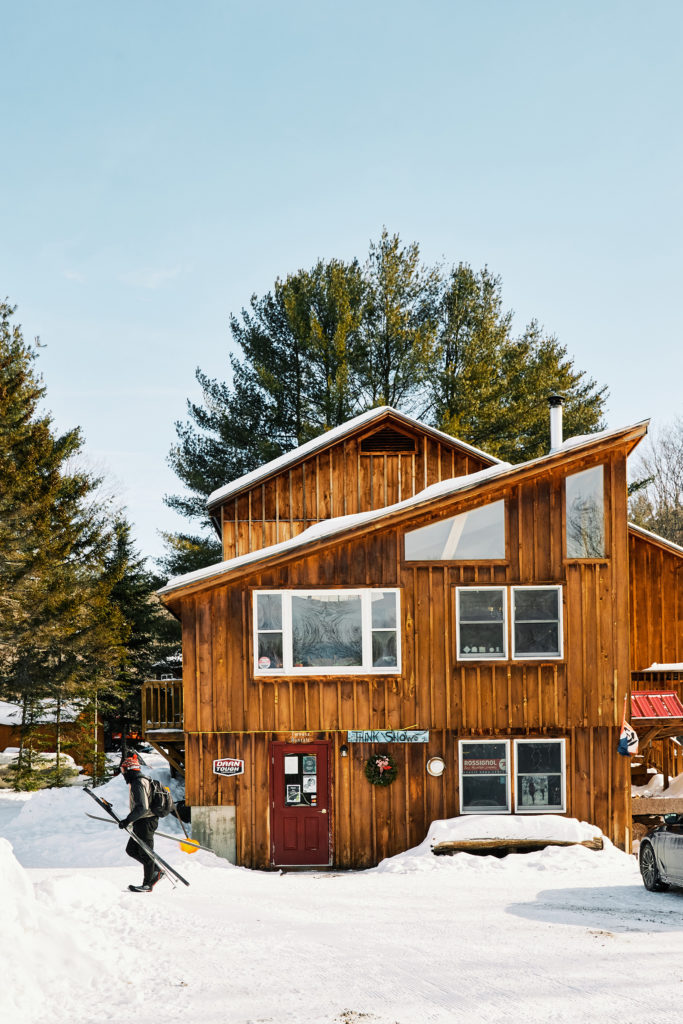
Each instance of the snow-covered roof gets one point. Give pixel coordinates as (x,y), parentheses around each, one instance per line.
(10,714)
(671,666)
(649,535)
(330,527)
(330,437)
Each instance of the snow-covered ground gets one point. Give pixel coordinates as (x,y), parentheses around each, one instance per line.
(568,934)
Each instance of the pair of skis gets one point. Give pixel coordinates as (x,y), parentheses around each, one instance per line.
(159,861)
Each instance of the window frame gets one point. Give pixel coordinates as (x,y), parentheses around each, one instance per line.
(560,622)
(289,669)
(534,809)
(486,656)
(605,532)
(509,624)
(512,745)
(508,789)
(502,560)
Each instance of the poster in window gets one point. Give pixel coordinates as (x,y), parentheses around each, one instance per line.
(293,795)
(540,791)
(310,784)
(309,764)
(292,764)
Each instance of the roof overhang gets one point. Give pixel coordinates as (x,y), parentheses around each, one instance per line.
(333,531)
(358,425)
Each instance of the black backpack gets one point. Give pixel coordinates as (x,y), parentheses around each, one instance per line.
(160,799)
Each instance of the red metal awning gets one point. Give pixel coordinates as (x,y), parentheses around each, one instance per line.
(656,704)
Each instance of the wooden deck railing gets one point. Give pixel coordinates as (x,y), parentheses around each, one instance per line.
(162,705)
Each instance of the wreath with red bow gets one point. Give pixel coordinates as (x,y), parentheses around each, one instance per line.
(380,769)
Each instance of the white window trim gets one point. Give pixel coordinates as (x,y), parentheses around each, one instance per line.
(508,774)
(509,652)
(289,669)
(485,656)
(563,769)
(511,766)
(560,623)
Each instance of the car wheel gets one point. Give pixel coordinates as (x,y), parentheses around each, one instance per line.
(649,869)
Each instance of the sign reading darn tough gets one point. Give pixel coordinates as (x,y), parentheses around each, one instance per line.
(228,766)
(388,736)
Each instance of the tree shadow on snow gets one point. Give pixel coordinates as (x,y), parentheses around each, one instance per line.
(619,908)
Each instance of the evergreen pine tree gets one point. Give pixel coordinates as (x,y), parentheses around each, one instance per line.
(59,636)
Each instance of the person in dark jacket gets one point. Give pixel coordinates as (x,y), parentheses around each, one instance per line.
(143,820)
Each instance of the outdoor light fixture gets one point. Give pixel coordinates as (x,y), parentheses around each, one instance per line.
(436,766)
(343,750)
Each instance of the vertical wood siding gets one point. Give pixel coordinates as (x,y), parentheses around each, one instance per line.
(229,712)
(336,482)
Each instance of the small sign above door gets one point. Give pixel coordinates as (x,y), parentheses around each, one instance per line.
(388,736)
(228,766)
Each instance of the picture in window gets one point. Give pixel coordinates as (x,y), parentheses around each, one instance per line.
(539,775)
(327,630)
(477,534)
(585,514)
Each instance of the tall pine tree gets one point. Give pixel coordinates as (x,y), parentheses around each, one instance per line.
(60,637)
(329,343)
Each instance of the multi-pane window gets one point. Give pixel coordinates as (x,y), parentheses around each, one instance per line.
(484,777)
(534,613)
(471,536)
(536,622)
(482,626)
(585,514)
(305,632)
(533,781)
(539,776)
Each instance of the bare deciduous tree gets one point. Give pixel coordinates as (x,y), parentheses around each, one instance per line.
(658,503)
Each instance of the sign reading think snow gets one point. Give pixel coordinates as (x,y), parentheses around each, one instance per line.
(388,736)
(228,766)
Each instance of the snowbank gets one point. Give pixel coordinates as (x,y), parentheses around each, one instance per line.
(541,827)
(655,788)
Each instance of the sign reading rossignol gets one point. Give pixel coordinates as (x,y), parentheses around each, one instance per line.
(388,736)
(228,766)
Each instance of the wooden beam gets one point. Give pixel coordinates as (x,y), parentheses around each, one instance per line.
(470,845)
(171,760)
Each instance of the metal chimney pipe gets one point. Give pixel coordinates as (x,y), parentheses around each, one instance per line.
(555,402)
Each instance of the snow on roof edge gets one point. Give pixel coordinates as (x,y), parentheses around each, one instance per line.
(670,667)
(328,527)
(655,536)
(329,437)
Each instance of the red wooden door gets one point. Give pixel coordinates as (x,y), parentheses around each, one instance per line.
(300,804)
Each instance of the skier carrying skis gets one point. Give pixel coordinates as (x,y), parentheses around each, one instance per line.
(143,820)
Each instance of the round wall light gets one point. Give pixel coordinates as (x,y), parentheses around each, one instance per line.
(436,766)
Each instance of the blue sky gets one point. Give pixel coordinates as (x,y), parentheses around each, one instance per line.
(164,161)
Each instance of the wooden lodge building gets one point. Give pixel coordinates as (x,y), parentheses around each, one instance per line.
(389,590)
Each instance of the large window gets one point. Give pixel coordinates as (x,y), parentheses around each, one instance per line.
(533,782)
(470,536)
(534,613)
(309,632)
(585,514)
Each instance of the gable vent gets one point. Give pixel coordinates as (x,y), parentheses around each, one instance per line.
(388,440)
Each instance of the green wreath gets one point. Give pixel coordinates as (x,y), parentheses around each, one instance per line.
(380,769)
